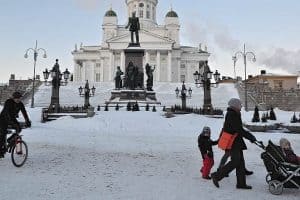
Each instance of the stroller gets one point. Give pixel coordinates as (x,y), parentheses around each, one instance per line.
(281,174)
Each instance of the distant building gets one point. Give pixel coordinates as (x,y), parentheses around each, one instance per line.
(161,45)
(275,81)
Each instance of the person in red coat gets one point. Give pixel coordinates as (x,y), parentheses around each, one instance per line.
(205,146)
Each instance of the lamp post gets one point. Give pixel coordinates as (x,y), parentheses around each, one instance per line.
(58,79)
(234,63)
(244,54)
(86,92)
(35,55)
(183,92)
(202,78)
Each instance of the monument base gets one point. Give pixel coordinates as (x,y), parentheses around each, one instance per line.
(125,96)
(134,45)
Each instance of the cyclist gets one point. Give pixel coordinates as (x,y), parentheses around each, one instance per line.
(8,116)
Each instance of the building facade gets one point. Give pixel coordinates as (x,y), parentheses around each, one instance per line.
(161,44)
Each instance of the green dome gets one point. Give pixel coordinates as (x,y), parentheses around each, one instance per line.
(110,13)
(171,14)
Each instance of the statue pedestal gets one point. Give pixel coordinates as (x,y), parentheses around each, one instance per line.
(136,56)
(134,45)
(125,96)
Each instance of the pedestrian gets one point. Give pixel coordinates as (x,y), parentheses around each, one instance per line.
(205,146)
(233,125)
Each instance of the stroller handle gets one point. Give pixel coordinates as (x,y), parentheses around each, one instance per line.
(260,144)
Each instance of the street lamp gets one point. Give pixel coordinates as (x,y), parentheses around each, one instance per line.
(244,54)
(35,55)
(202,79)
(234,63)
(183,93)
(86,92)
(58,79)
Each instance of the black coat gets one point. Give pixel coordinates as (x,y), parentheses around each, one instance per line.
(233,124)
(10,112)
(205,145)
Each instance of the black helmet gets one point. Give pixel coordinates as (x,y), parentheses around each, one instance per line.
(16,95)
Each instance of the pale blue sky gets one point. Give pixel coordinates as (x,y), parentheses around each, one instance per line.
(270,28)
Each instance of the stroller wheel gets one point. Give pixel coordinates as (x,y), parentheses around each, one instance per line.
(275,187)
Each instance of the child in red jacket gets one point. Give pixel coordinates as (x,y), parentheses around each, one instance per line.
(205,146)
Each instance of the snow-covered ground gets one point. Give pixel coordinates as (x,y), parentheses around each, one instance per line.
(131,155)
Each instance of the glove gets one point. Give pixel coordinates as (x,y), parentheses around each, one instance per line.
(28,123)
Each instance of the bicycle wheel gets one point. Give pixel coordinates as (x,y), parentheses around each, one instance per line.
(19,153)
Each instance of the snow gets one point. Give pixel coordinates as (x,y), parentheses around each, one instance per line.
(130,155)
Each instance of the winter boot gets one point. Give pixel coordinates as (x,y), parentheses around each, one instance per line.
(215,179)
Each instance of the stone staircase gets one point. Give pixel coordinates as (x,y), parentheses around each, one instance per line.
(23,86)
(251,101)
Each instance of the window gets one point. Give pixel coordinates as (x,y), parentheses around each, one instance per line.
(148,12)
(182,78)
(141,14)
(278,84)
(153,13)
(141,8)
(97,77)
(182,66)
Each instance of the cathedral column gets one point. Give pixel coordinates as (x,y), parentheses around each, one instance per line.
(123,61)
(158,66)
(169,66)
(147,60)
(111,67)
(102,70)
(83,71)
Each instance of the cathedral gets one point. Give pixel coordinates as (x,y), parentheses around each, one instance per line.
(173,62)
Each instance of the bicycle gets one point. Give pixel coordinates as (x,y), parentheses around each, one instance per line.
(17,147)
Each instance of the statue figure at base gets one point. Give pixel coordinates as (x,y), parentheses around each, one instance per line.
(131,72)
(134,27)
(149,72)
(118,79)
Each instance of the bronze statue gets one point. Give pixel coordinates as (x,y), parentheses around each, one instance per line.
(134,27)
(149,72)
(130,76)
(118,79)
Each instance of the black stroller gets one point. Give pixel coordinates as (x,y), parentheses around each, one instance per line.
(281,174)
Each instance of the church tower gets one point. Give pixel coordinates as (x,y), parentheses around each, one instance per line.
(145,10)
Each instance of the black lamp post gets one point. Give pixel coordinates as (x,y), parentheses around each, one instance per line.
(183,93)
(35,55)
(58,79)
(202,79)
(86,92)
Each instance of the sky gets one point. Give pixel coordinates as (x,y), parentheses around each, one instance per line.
(269,28)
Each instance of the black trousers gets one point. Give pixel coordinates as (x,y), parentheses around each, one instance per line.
(238,163)
(3,133)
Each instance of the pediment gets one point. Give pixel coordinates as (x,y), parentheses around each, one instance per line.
(144,36)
